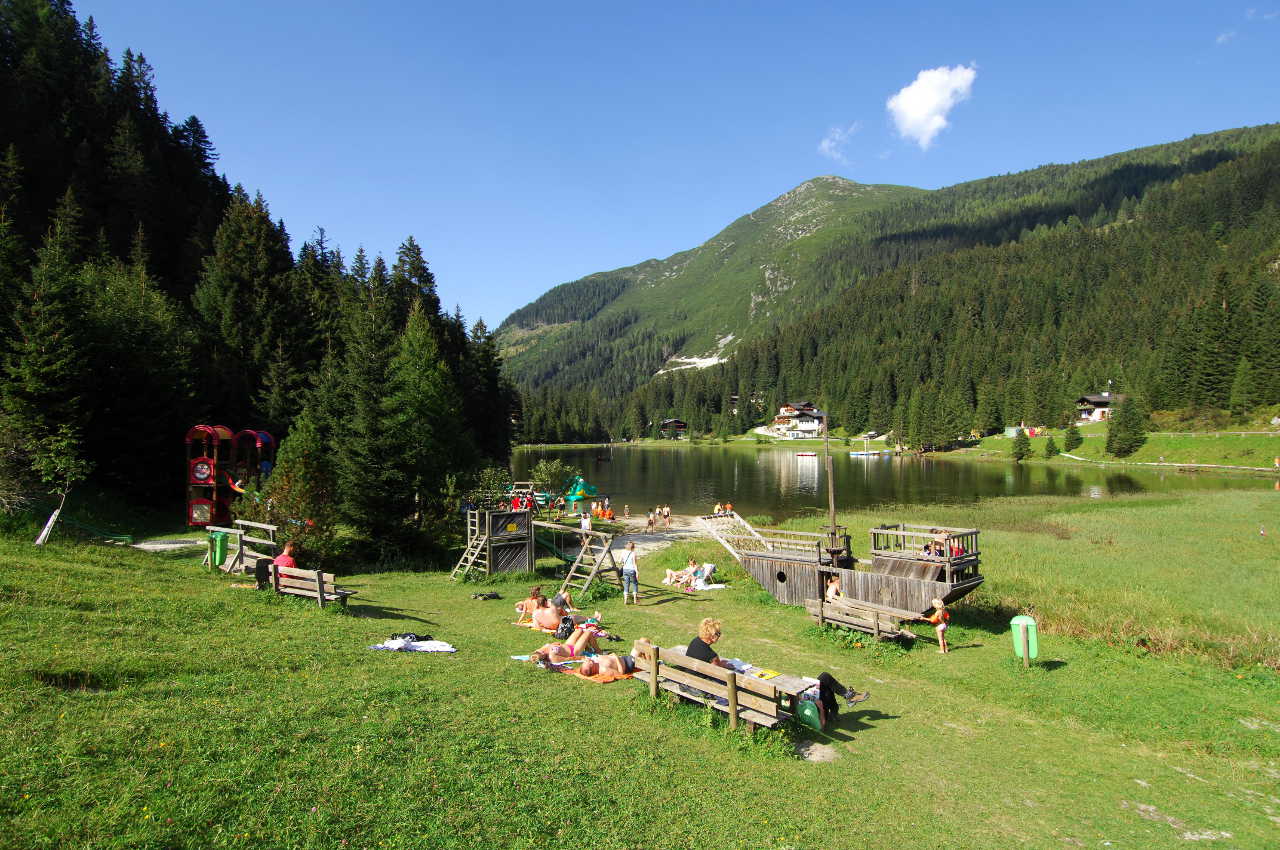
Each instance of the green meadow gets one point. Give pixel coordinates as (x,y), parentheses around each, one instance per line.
(147,702)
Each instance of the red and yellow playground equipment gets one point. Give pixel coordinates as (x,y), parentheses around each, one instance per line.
(253,455)
(208,497)
(219,467)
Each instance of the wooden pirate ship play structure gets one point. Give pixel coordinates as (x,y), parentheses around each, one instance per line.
(910,565)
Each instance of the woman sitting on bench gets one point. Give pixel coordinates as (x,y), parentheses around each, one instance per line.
(557,653)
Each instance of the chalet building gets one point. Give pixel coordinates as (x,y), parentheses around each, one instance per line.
(673,427)
(798,420)
(1097,408)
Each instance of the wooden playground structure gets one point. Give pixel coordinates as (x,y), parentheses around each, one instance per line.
(501,541)
(910,565)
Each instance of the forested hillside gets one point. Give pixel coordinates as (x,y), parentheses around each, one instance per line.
(1002,300)
(144,294)
(618,328)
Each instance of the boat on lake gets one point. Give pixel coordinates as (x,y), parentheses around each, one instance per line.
(806,454)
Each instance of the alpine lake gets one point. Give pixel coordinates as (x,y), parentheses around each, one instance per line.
(781,482)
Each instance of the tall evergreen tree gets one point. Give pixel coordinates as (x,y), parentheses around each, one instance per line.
(1126,429)
(44,366)
(421,408)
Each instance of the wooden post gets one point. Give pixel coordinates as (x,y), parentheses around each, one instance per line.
(320,587)
(653,674)
(1026,645)
(822,620)
(733,700)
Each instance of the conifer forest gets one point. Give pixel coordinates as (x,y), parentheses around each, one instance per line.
(145,293)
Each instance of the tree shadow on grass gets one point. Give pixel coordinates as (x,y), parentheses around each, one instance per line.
(651,595)
(382,612)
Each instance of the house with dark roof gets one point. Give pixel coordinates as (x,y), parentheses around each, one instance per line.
(1097,407)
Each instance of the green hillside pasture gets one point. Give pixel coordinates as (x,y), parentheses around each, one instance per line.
(145,702)
(1185,572)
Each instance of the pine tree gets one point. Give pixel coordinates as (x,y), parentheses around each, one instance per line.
(1051,447)
(242,300)
(1126,429)
(45,361)
(1021,446)
(1243,390)
(421,408)
(373,493)
(1073,438)
(301,493)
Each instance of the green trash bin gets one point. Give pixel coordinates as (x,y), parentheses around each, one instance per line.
(217,548)
(1025,642)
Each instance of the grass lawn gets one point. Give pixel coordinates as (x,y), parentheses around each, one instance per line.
(145,702)
(1226,448)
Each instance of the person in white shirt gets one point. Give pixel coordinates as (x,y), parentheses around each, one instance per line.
(630,574)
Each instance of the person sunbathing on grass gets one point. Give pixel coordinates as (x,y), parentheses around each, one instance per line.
(545,616)
(578,643)
(619,664)
(679,578)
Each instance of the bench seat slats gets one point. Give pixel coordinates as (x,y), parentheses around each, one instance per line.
(719,689)
(747,714)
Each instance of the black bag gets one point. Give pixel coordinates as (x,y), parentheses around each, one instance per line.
(566,628)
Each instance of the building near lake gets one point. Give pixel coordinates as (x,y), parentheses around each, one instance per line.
(1097,407)
(798,420)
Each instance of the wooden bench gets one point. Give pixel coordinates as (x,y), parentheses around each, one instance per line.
(881,621)
(312,584)
(746,697)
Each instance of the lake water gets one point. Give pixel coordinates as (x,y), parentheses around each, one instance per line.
(777,482)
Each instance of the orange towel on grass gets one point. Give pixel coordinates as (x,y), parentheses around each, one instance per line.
(535,627)
(600,678)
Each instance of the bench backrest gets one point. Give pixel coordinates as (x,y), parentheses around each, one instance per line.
(675,666)
(294,579)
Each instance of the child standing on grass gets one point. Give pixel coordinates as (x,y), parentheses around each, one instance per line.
(939,620)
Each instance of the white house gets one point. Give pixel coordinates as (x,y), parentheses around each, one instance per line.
(1097,408)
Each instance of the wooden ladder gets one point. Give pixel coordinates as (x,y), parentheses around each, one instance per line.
(733,533)
(476,555)
(592,558)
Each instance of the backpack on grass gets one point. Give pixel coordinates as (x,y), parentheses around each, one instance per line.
(565,630)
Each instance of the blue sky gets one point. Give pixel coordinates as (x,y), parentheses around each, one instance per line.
(524,145)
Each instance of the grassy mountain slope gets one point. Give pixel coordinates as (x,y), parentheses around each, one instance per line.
(645,321)
(734,285)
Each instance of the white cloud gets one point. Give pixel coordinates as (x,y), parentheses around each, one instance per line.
(1224,37)
(833,143)
(920,110)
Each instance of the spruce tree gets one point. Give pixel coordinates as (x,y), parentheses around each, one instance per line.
(421,408)
(372,490)
(1051,447)
(1073,438)
(301,494)
(1126,429)
(1243,390)
(45,363)
(1021,446)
